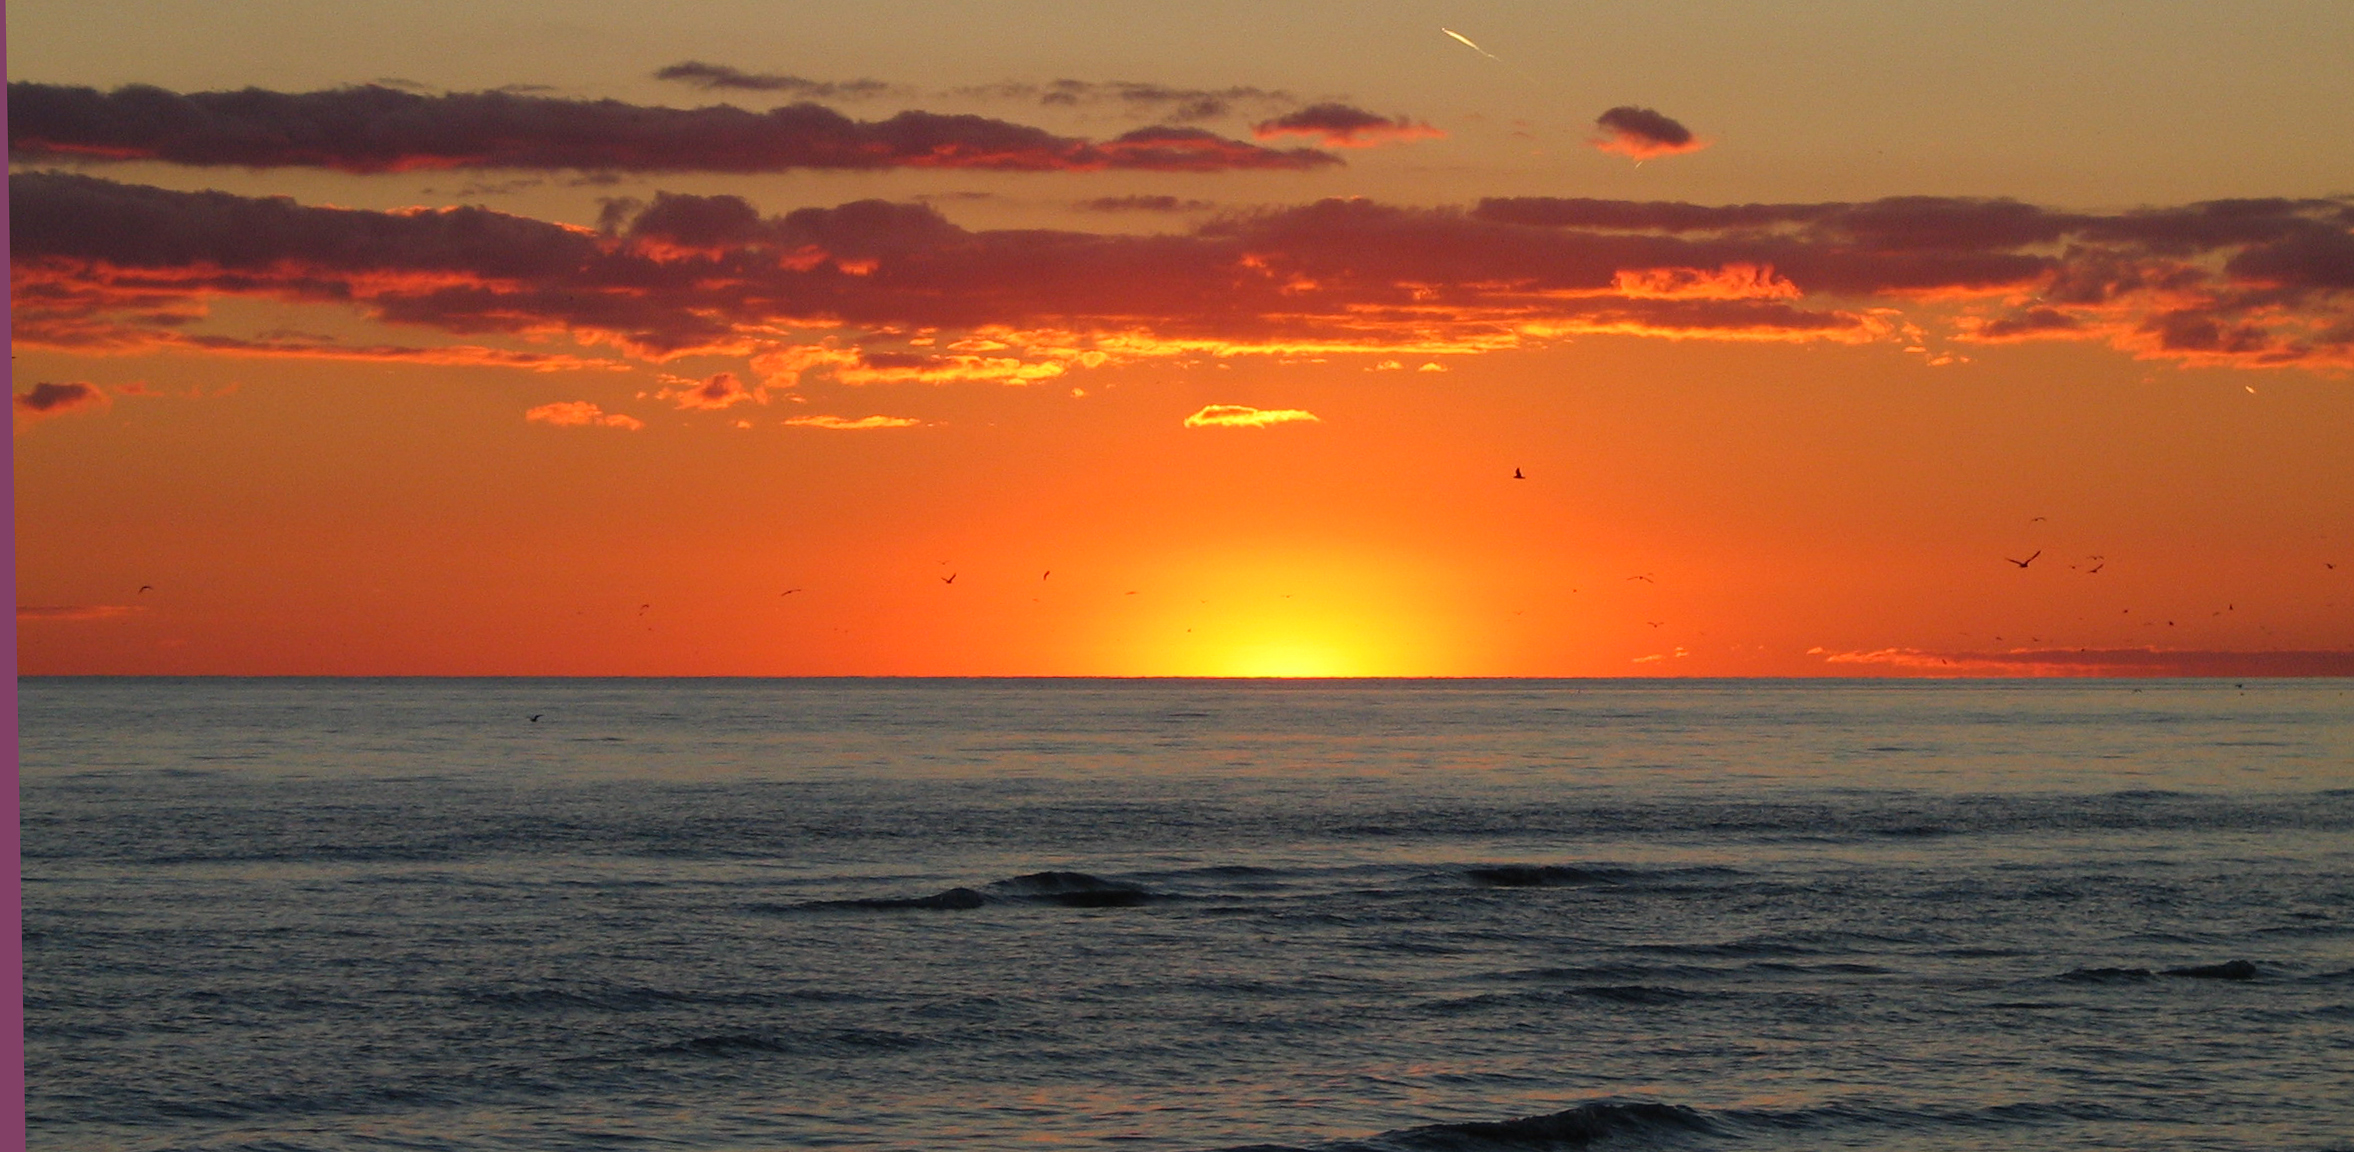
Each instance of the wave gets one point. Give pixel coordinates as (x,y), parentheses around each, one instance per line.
(632,998)
(843,1042)
(1066,889)
(2228,970)
(1650,1124)
(1639,1122)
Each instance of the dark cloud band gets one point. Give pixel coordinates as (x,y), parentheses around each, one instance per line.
(379,129)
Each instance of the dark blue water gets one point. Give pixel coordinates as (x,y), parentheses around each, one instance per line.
(1188,915)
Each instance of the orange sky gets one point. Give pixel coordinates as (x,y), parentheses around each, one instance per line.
(621,415)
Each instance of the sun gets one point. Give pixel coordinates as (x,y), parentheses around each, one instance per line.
(1302,659)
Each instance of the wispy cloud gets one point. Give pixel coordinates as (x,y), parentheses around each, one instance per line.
(720,76)
(846,424)
(1145,204)
(75,611)
(581,414)
(1135,97)
(2120,662)
(1242,416)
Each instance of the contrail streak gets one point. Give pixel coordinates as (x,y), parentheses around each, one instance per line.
(1466,42)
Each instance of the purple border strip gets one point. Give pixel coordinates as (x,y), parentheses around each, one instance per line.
(12,948)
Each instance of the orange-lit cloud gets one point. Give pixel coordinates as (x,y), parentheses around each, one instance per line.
(1341,126)
(845,424)
(721,390)
(1241,416)
(2248,283)
(2101,662)
(372,128)
(47,399)
(1643,134)
(581,414)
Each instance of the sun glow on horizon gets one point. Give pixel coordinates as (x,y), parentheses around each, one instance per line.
(1299,614)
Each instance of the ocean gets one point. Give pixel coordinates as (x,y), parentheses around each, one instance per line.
(1188,915)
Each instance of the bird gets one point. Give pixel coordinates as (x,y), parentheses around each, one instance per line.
(2095,570)
(536,715)
(2029,560)
(788,591)
(1655,623)
(642,608)
(1517,476)
(948,579)
(146,588)
(1045,574)
(1644,578)
(2038,518)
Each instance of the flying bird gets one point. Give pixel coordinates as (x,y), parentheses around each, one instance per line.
(1045,574)
(536,715)
(948,579)
(2023,563)
(788,591)
(146,588)
(1466,42)
(1646,579)
(1517,476)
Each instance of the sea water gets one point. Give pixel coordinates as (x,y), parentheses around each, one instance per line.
(1188,915)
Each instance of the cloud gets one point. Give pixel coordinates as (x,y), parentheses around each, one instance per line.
(1241,416)
(720,391)
(47,399)
(2119,662)
(1144,204)
(711,76)
(1642,134)
(844,424)
(879,292)
(1341,126)
(1135,97)
(378,129)
(581,414)
(75,611)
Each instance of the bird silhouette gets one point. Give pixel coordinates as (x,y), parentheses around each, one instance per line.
(948,579)
(1645,578)
(1045,574)
(536,715)
(146,588)
(788,591)
(2029,560)
(1517,476)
